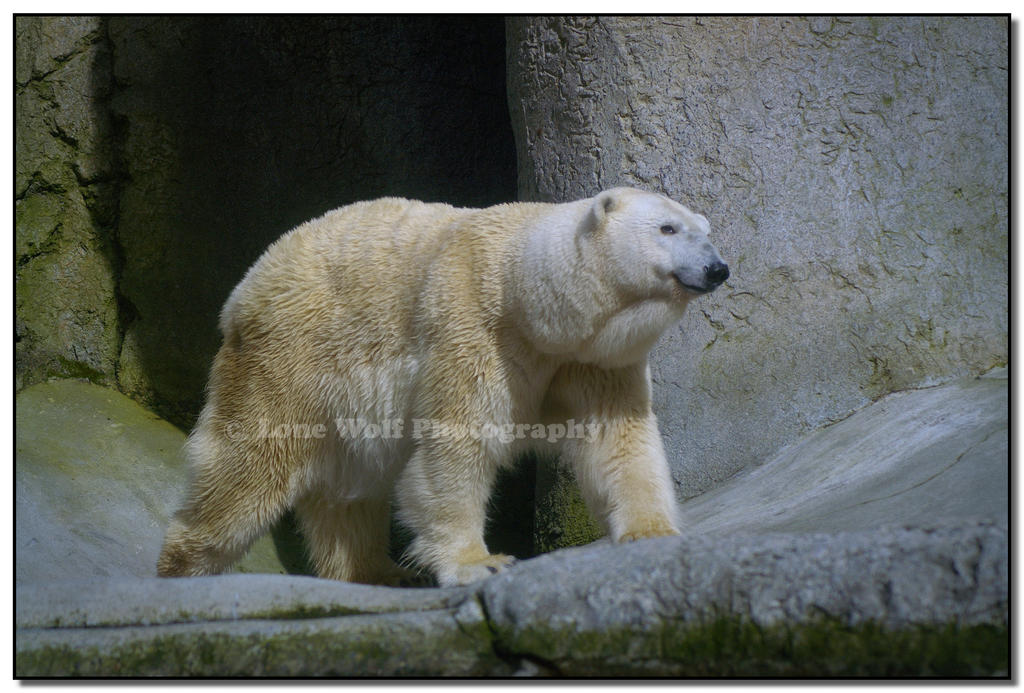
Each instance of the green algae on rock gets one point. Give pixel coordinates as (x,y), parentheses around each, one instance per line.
(97,478)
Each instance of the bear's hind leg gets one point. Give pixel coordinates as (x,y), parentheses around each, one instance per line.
(231,503)
(208,541)
(348,540)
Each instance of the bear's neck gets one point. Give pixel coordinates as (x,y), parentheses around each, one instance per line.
(566,308)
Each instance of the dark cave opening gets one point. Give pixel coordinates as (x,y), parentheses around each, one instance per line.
(233,130)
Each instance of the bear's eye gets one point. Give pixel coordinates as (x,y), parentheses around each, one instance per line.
(668,229)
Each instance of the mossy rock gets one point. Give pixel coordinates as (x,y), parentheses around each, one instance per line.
(731,646)
(561,517)
(98,478)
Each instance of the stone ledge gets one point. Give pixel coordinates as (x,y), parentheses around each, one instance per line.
(639,609)
(119,602)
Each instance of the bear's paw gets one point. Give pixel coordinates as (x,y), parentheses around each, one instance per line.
(474,571)
(647,529)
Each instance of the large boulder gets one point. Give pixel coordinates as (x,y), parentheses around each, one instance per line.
(854,171)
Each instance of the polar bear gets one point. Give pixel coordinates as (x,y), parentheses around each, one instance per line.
(368,352)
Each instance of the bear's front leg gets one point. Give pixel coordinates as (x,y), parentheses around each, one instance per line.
(620,463)
(442,496)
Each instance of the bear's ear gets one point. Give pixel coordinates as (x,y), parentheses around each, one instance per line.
(602,204)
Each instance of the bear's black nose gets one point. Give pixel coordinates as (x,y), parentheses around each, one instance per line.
(716,273)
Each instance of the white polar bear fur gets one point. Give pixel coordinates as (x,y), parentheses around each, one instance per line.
(396,310)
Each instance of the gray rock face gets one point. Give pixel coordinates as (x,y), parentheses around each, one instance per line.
(271,626)
(894,576)
(616,610)
(855,175)
(913,457)
(120,601)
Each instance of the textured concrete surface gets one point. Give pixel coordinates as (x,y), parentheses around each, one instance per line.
(125,601)
(413,643)
(938,454)
(854,171)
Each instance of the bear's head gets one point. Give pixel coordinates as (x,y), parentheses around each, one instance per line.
(655,247)
(601,279)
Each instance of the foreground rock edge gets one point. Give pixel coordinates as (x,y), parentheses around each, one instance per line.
(934,599)
(118,602)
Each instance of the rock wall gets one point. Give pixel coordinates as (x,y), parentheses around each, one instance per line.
(66,186)
(855,175)
(158,156)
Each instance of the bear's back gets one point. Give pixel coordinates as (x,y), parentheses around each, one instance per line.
(367,259)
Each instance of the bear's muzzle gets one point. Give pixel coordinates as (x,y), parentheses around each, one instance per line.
(710,278)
